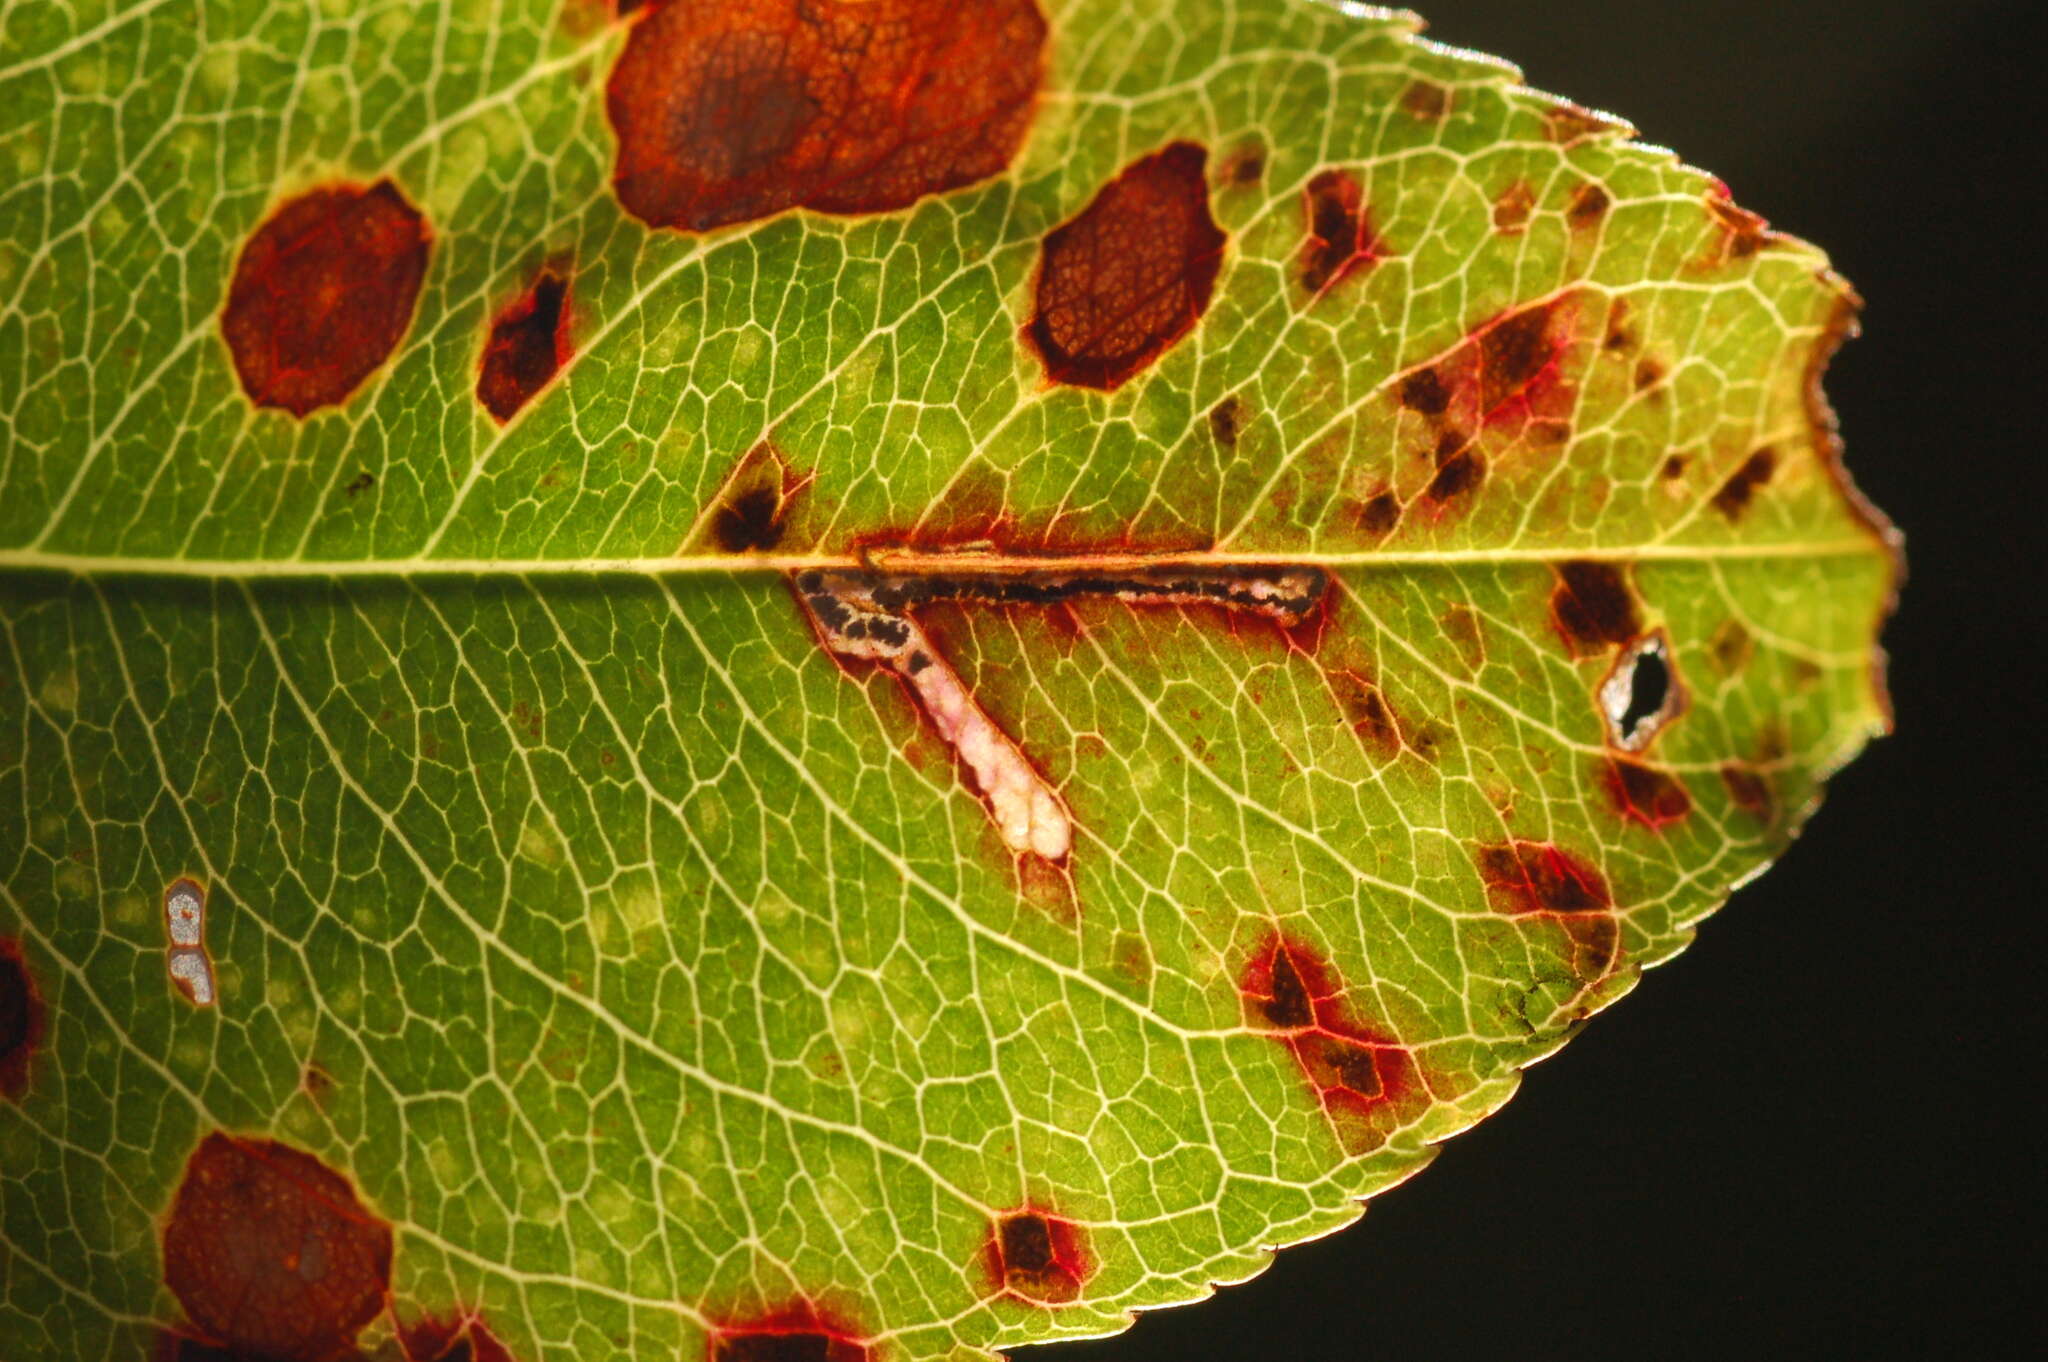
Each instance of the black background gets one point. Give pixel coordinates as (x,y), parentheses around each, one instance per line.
(1804,1137)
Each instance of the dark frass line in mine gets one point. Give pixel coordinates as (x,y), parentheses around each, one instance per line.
(866,614)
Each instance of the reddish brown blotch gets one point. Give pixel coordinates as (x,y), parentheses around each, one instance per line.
(1365,1078)
(1750,790)
(797,1333)
(1341,241)
(1541,880)
(323,292)
(1129,275)
(270,1251)
(529,342)
(1592,606)
(21,1019)
(1643,794)
(732,112)
(1038,1257)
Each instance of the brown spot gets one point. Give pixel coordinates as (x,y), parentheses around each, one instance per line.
(528,345)
(1589,204)
(1512,209)
(1735,494)
(1673,468)
(1341,241)
(316,1082)
(798,1334)
(1130,275)
(21,1019)
(1568,124)
(750,521)
(1620,335)
(1730,647)
(1649,373)
(361,482)
(1245,165)
(1592,605)
(1540,877)
(1513,353)
(322,294)
(1224,418)
(1380,514)
(1426,100)
(1458,475)
(1366,710)
(730,112)
(1039,1257)
(1750,791)
(269,1251)
(1645,794)
(1367,1081)
(1424,391)
(1743,233)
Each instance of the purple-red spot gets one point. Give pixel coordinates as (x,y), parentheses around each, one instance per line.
(1541,880)
(800,1333)
(1592,605)
(1644,794)
(21,1019)
(270,1252)
(730,112)
(1341,241)
(1039,1257)
(529,343)
(1365,1079)
(322,294)
(1130,274)
(1734,495)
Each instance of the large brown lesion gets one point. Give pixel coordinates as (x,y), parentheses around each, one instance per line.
(733,112)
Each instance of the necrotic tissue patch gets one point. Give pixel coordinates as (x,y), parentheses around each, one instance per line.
(185,923)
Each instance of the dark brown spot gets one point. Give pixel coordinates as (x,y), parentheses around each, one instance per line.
(1245,165)
(1736,493)
(798,1334)
(1459,474)
(1223,421)
(1426,100)
(21,1019)
(1589,204)
(1649,373)
(1592,605)
(1674,467)
(361,482)
(1449,444)
(528,345)
(269,1251)
(1512,353)
(1645,794)
(1424,391)
(1540,877)
(1040,1257)
(322,294)
(1750,790)
(1380,515)
(730,112)
(1512,209)
(1341,241)
(1288,1006)
(750,522)
(1130,275)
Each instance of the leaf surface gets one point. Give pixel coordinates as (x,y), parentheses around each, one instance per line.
(430,795)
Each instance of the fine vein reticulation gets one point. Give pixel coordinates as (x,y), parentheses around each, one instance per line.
(850,681)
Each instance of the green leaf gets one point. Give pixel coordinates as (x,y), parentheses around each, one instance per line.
(1410,620)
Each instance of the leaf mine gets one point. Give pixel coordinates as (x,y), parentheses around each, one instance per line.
(190,967)
(529,342)
(1129,275)
(322,294)
(866,615)
(21,1019)
(730,112)
(269,1251)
